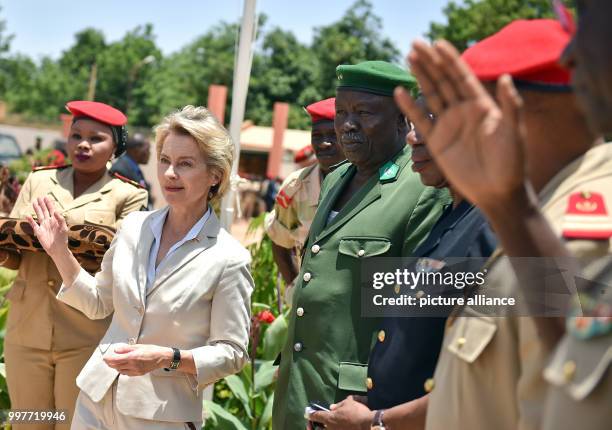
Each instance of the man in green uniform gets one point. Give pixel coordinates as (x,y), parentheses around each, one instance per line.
(375,205)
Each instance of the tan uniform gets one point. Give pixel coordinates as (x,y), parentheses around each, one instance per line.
(47,342)
(296,203)
(489,373)
(579,375)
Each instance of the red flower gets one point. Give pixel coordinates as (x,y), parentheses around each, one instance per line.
(265,317)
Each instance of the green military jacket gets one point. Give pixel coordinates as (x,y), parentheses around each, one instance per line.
(325,357)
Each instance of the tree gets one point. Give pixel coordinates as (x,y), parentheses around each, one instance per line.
(16,75)
(5,44)
(184,77)
(123,67)
(89,44)
(5,40)
(78,61)
(473,20)
(353,38)
(284,70)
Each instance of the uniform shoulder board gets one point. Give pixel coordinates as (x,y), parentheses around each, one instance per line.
(587,217)
(42,168)
(124,179)
(289,188)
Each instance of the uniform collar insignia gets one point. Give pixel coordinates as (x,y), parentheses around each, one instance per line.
(388,171)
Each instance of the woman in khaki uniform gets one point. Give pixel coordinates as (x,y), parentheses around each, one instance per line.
(47,342)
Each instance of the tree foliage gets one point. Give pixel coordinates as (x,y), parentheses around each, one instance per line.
(473,20)
(284,69)
(183,77)
(5,44)
(5,39)
(355,37)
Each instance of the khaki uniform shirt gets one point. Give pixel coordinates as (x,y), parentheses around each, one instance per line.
(579,375)
(489,373)
(296,203)
(36,318)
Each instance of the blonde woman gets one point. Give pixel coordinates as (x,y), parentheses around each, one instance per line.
(179,287)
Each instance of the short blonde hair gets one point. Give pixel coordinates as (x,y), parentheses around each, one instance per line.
(212,138)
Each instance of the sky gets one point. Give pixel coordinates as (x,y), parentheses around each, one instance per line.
(47,27)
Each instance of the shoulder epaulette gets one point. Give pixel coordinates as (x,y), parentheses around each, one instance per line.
(587,217)
(41,168)
(124,179)
(289,188)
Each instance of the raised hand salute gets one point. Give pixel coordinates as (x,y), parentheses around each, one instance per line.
(477,143)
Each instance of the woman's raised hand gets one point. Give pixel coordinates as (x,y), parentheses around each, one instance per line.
(50,228)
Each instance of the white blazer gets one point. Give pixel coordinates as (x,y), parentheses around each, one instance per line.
(200,301)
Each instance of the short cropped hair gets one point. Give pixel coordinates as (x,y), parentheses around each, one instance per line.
(212,138)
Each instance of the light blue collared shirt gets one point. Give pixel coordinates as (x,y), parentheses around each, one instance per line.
(157,225)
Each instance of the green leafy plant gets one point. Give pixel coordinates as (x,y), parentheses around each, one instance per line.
(6,280)
(22,167)
(244,401)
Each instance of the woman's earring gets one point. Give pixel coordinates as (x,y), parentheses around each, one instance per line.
(213,191)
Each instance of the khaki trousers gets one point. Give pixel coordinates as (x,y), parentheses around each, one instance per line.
(103,415)
(43,380)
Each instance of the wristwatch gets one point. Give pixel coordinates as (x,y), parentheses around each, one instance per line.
(377,421)
(176,360)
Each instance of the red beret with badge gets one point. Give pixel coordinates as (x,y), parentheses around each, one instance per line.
(527,50)
(324,110)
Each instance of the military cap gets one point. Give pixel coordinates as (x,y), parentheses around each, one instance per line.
(527,50)
(324,110)
(376,77)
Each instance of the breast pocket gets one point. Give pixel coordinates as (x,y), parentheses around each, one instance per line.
(470,337)
(352,377)
(100,216)
(364,247)
(578,367)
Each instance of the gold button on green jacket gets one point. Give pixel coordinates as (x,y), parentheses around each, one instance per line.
(325,357)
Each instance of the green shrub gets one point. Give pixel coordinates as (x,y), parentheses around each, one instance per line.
(244,401)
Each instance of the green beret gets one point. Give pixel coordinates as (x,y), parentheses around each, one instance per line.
(376,77)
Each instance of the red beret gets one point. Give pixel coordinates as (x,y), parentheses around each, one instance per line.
(528,50)
(324,110)
(303,154)
(98,111)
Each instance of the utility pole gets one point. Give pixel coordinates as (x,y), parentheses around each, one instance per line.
(242,74)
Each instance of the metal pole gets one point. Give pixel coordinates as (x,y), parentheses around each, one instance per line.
(242,74)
